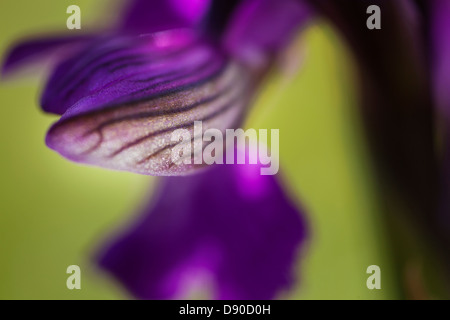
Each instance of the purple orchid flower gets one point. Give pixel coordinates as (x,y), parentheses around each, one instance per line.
(167,64)
(120,96)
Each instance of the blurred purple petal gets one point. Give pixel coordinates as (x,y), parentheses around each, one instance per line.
(31,50)
(123,98)
(262,27)
(228,230)
(146,16)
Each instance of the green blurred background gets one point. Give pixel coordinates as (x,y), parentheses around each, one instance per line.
(54,213)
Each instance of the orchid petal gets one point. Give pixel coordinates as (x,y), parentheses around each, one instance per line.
(123,99)
(228,229)
(143,16)
(33,50)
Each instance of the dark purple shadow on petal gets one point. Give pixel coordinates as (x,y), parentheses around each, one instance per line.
(145,16)
(30,51)
(228,229)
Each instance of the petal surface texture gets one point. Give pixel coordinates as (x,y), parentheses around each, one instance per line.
(122,99)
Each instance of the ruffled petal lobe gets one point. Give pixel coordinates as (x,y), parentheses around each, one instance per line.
(228,231)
